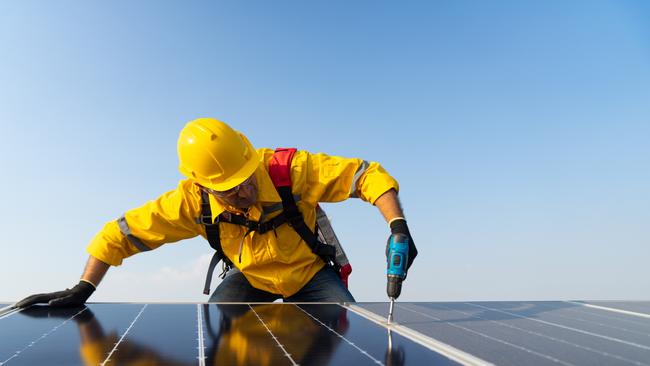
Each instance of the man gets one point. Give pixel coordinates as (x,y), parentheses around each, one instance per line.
(222,165)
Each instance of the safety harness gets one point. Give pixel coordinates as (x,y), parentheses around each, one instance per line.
(323,242)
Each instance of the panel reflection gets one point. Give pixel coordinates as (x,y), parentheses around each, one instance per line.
(96,345)
(229,334)
(273,334)
(394,353)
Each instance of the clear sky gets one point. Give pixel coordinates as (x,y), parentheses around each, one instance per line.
(519,132)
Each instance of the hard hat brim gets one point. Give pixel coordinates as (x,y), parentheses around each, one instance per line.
(244,173)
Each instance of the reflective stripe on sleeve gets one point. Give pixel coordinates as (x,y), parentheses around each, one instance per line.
(126,231)
(355,181)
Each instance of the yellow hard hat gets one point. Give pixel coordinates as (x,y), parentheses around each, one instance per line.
(214,155)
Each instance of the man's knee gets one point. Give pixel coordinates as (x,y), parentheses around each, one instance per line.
(236,288)
(325,286)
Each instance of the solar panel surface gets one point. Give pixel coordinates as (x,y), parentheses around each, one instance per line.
(530,333)
(190,334)
(473,333)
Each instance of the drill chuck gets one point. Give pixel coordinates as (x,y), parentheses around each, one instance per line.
(394,286)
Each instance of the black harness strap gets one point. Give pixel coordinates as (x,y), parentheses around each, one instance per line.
(211,229)
(214,239)
(290,215)
(260,227)
(294,218)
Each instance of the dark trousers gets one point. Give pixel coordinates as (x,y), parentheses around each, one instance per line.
(325,286)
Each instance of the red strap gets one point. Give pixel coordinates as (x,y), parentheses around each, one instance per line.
(280,167)
(345,273)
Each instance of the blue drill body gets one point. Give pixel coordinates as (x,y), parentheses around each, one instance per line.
(397,258)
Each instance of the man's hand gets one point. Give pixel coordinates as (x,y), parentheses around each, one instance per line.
(398,226)
(69,297)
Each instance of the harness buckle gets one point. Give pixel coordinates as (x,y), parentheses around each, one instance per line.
(206,220)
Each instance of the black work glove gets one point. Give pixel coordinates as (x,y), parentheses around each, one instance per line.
(399,227)
(75,296)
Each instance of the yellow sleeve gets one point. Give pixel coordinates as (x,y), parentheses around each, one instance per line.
(333,178)
(169,218)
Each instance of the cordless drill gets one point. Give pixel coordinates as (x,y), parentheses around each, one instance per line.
(397,258)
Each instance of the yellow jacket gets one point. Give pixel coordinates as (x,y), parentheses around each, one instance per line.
(280,264)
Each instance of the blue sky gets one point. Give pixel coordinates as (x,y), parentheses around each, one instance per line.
(518,132)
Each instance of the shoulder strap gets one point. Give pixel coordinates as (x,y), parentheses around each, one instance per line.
(211,229)
(280,172)
(214,239)
(280,167)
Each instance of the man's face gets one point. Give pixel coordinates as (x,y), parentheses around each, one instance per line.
(241,196)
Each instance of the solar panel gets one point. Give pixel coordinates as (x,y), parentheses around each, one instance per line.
(531,333)
(468,333)
(204,334)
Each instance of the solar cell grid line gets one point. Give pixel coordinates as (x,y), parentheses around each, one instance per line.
(641,309)
(160,334)
(614,317)
(363,352)
(200,335)
(599,322)
(562,307)
(444,349)
(635,306)
(557,312)
(541,356)
(432,321)
(293,362)
(439,330)
(630,321)
(6,357)
(600,340)
(567,351)
(108,357)
(573,329)
(367,333)
(237,336)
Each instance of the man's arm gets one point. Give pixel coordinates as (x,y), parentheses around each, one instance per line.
(94,271)
(169,218)
(334,179)
(389,206)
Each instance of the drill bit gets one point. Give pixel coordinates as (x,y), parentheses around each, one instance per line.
(390,310)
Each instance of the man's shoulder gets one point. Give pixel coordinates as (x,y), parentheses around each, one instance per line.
(266,154)
(188,189)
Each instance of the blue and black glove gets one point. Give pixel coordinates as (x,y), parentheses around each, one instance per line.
(399,226)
